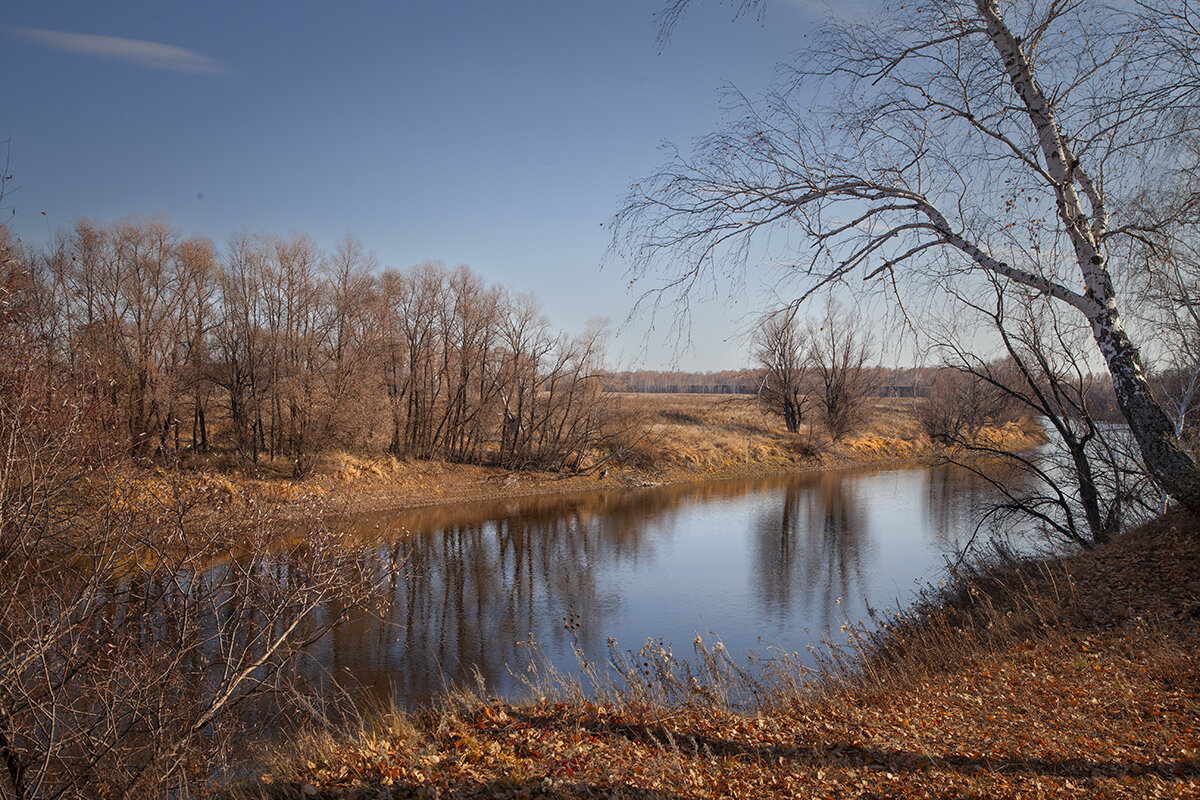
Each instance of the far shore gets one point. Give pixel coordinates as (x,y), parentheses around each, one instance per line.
(688,438)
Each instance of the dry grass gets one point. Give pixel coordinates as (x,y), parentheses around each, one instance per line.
(710,434)
(729,434)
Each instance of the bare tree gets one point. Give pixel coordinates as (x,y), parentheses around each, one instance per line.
(1167,254)
(200,281)
(843,383)
(1092,484)
(961,403)
(306,351)
(947,139)
(1172,307)
(469,317)
(418,309)
(571,416)
(239,341)
(392,345)
(527,340)
(781,349)
(346,396)
(123,290)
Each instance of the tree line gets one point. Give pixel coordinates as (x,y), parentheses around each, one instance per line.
(272,348)
(728,381)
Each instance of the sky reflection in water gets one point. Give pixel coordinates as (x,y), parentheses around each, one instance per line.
(757,563)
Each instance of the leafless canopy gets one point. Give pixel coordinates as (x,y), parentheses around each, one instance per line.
(943,139)
(842,380)
(901,139)
(781,350)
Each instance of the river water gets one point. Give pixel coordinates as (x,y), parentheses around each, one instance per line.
(760,564)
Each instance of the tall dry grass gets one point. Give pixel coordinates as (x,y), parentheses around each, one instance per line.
(725,433)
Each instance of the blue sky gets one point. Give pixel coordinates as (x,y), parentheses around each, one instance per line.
(496,134)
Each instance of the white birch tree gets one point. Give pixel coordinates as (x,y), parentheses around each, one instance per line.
(936,143)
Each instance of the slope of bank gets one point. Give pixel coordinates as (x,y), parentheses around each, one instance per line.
(1077,677)
(682,438)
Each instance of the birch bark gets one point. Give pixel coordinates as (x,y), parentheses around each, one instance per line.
(1172,466)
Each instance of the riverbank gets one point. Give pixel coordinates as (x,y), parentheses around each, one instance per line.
(684,438)
(1075,677)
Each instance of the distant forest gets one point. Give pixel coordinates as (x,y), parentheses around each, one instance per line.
(730,381)
(890,382)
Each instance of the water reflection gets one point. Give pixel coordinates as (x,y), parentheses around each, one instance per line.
(472,584)
(756,561)
(956,499)
(811,545)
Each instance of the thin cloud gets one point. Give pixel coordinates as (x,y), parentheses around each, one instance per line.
(131,51)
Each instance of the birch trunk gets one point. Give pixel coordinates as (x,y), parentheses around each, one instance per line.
(1083,211)
(1172,466)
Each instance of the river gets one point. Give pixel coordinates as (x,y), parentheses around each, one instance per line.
(758,564)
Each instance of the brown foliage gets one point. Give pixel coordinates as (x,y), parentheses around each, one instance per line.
(278,351)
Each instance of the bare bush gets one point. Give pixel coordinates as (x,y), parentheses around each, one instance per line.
(960,404)
(136,640)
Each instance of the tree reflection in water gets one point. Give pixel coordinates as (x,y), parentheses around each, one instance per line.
(471,586)
(756,561)
(958,502)
(951,497)
(813,548)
